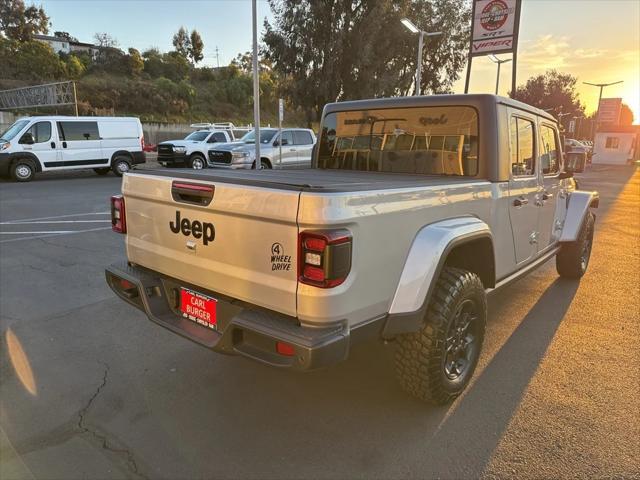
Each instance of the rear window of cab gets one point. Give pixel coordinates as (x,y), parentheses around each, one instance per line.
(414,140)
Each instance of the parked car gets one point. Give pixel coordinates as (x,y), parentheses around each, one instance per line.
(296,146)
(578,154)
(415,210)
(192,150)
(41,144)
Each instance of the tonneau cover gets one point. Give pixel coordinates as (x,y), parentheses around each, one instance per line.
(312,180)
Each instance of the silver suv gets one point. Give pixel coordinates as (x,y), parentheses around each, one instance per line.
(293,151)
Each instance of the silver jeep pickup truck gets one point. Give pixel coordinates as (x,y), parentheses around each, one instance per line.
(415,209)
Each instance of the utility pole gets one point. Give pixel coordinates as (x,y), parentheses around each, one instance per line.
(413,29)
(495,59)
(217,57)
(601,86)
(256,84)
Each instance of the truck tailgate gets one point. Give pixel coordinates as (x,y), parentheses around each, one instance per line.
(252,256)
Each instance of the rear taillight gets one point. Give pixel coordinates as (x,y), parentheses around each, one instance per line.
(324,257)
(118,216)
(142,143)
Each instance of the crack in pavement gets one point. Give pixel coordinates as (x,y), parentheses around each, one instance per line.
(131,461)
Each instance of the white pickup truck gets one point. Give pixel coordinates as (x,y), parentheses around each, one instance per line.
(414,211)
(193,149)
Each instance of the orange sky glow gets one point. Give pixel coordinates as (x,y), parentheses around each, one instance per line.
(597,41)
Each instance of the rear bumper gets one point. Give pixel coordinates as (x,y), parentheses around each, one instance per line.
(242,329)
(139,157)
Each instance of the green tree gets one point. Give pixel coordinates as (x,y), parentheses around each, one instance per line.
(18,22)
(553,91)
(328,51)
(74,67)
(181,42)
(196,47)
(175,66)
(66,35)
(153,64)
(135,63)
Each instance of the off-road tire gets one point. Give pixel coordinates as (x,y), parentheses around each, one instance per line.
(116,165)
(194,159)
(102,171)
(22,171)
(572,260)
(420,356)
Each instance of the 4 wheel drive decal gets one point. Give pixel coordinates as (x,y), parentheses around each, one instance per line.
(204,230)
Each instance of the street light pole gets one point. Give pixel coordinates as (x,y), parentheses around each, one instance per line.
(256,84)
(495,59)
(419,64)
(413,29)
(601,86)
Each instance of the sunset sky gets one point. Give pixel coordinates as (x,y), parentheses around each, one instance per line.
(596,40)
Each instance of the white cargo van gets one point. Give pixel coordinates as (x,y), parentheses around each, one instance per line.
(41,144)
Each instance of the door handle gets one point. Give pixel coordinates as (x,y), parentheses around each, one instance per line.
(518,202)
(292,149)
(64,144)
(53,144)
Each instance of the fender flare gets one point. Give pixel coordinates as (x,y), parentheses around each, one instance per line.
(578,204)
(121,153)
(28,155)
(427,256)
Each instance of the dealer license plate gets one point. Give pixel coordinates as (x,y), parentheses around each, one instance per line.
(198,308)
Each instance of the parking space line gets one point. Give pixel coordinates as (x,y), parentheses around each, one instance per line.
(58,216)
(33,233)
(48,234)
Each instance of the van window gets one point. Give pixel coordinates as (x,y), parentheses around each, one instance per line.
(301,137)
(523,162)
(612,143)
(41,132)
(13,130)
(75,131)
(548,150)
(414,140)
(287,137)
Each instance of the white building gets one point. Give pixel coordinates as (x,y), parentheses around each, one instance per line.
(616,145)
(64,45)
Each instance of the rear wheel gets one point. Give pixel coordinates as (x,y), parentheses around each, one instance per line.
(121,165)
(573,258)
(197,162)
(101,171)
(23,171)
(436,363)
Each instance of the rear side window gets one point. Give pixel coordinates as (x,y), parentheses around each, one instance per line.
(302,138)
(74,131)
(41,132)
(522,158)
(549,152)
(217,138)
(414,140)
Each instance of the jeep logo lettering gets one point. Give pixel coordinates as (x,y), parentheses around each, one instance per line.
(204,230)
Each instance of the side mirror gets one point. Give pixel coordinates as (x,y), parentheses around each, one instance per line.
(276,143)
(565,174)
(27,139)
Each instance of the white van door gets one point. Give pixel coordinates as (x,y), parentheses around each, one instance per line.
(42,140)
(81,146)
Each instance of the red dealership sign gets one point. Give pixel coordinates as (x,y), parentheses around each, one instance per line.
(495,26)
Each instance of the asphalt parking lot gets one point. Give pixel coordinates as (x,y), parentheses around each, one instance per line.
(91,389)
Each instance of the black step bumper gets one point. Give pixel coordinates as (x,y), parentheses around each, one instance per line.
(242,330)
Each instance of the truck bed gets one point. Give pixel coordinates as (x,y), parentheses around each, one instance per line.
(312,180)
